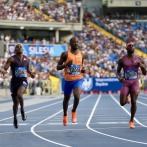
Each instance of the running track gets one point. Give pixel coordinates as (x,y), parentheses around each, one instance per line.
(101,122)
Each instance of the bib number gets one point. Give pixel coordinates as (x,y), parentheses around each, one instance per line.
(131,74)
(74,69)
(21,72)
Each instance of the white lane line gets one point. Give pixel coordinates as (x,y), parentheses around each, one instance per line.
(111,119)
(62,123)
(141,103)
(66,130)
(142,97)
(88,122)
(127,111)
(112,122)
(36,103)
(33,110)
(12,124)
(32,128)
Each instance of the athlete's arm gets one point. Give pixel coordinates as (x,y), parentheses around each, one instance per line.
(7,65)
(142,66)
(83,69)
(63,58)
(119,67)
(29,70)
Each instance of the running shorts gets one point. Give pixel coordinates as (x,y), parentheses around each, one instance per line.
(130,86)
(70,85)
(15,85)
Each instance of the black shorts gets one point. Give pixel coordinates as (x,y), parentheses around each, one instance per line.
(15,85)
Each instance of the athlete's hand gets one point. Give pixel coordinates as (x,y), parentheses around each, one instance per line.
(32,75)
(69,62)
(121,80)
(3,72)
(83,70)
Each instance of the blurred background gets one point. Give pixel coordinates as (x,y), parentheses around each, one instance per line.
(44,28)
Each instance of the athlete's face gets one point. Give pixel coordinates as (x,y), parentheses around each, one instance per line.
(19,49)
(130,48)
(74,44)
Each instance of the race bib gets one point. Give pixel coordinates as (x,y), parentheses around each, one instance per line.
(20,72)
(74,69)
(131,74)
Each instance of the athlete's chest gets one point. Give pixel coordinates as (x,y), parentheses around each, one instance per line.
(20,63)
(131,63)
(77,59)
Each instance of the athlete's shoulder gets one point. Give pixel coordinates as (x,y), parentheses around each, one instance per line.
(11,59)
(141,59)
(64,54)
(27,58)
(121,60)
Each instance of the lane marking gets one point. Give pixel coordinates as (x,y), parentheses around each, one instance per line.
(32,128)
(36,103)
(112,122)
(111,119)
(62,123)
(141,103)
(127,111)
(68,130)
(91,115)
(33,110)
(142,97)
(12,124)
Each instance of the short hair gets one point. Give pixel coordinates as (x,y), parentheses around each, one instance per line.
(71,39)
(18,44)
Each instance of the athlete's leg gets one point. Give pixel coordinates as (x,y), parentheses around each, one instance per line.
(15,106)
(20,92)
(65,103)
(134,96)
(124,94)
(77,93)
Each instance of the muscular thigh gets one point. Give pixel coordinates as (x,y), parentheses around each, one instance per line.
(21,90)
(124,93)
(77,91)
(125,90)
(135,87)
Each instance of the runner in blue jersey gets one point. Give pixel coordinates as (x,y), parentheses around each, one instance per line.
(19,64)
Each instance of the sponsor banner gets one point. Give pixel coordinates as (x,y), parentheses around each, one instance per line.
(39,50)
(100,84)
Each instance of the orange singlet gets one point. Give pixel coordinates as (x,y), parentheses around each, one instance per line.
(73,72)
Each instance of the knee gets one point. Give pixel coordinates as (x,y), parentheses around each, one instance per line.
(133,103)
(19,95)
(16,103)
(122,103)
(77,97)
(66,99)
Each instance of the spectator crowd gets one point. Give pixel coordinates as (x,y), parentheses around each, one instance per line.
(55,12)
(101,51)
(125,29)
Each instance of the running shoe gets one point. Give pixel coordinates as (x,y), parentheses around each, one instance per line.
(131,124)
(128,100)
(73,119)
(65,120)
(23,116)
(15,124)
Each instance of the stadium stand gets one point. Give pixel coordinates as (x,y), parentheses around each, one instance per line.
(125,28)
